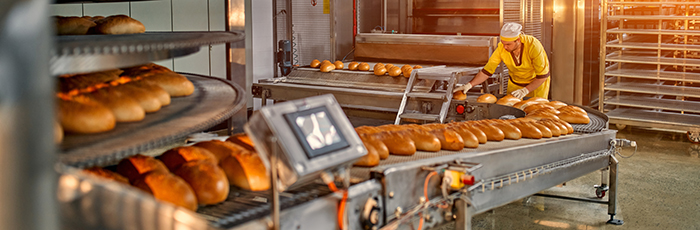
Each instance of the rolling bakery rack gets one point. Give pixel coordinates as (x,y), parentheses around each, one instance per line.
(650,57)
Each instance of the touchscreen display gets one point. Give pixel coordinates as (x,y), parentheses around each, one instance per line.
(316,131)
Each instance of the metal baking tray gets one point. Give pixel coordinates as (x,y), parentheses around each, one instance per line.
(213,101)
(89,53)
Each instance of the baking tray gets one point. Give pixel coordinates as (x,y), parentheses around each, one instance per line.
(213,101)
(89,53)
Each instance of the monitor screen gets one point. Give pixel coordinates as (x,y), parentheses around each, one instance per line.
(316,131)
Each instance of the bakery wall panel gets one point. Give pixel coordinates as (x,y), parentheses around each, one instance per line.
(192,15)
(155,15)
(106,9)
(67,9)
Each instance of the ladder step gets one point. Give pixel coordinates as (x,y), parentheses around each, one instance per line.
(437,96)
(439,77)
(420,116)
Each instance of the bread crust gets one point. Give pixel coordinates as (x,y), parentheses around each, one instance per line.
(118,24)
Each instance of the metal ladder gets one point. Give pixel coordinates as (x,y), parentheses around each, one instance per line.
(446,97)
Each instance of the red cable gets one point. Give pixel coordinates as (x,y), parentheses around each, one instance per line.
(425,194)
(341,209)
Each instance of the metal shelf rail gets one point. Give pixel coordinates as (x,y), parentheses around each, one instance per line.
(650,41)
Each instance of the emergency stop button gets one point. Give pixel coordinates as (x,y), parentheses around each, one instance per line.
(460,109)
(468,179)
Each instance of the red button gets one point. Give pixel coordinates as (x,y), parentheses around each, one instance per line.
(468,179)
(460,109)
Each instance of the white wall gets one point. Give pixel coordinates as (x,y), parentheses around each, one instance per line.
(169,15)
(262,46)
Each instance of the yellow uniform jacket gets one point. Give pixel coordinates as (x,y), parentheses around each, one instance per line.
(533,64)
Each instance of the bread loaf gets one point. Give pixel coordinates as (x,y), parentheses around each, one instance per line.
(487,98)
(389,66)
(123,107)
(69,82)
(363,66)
(72,25)
(315,63)
(563,125)
(556,104)
(208,181)
(106,174)
(423,140)
(84,115)
(492,133)
(571,108)
(338,65)
(407,72)
(538,115)
(395,71)
(220,149)
(397,144)
(168,187)
(380,147)
(353,65)
(574,117)
(450,140)
(369,160)
(531,108)
(242,140)
(328,67)
(159,92)
(175,157)
(538,100)
(175,84)
(380,71)
(528,130)
(511,132)
(405,67)
(147,100)
(417,67)
(118,24)
(459,95)
(546,132)
(135,166)
(508,100)
(554,128)
(247,171)
(470,140)
(480,135)
(378,65)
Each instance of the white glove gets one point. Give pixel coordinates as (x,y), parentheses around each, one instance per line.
(463,88)
(520,93)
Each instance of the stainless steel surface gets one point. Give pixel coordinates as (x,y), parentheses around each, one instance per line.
(312,31)
(347,79)
(684,91)
(236,61)
(484,41)
(88,53)
(653,31)
(214,101)
(648,118)
(446,98)
(612,193)
(654,103)
(637,59)
(645,72)
(27,149)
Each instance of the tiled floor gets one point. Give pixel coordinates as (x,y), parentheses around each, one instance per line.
(659,188)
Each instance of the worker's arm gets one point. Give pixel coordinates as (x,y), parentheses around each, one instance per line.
(535,84)
(479,78)
(485,73)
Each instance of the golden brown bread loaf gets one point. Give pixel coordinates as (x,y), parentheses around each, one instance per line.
(315,63)
(480,135)
(394,71)
(135,166)
(492,133)
(220,149)
(538,100)
(175,84)
(574,115)
(353,65)
(327,67)
(556,104)
(539,115)
(527,130)
(57,132)
(511,132)
(449,139)
(123,107)
(242,140)
(546,109)
(208,181)
(571,108)
(247,171)
(175,157)
(168,187)
(531,108)
(380,147)
(459,95)
(69,82)
(508,100)
(423,140)
(379,71)
(546,132)
(147,100)
(72,25)
(363,66)
(388,66)
(106,174)
(487,98)
(554,128)
(338,64)
(470,140)
(417,67)
(159,92)
(93,18)
(397,144)
(407,72)
(118,24)
(84,115)
(369,160)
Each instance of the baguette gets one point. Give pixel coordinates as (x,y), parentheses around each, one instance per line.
(492,133)
(168,187)
(81,114)
(369,160)
(175,157)
(527,129)
(136,166)
(118,24)
(546,132)
(123,107)
(207,180)
(220,149)
(511,132)
(508,100)
(72,25)
(247,171)
(487,98)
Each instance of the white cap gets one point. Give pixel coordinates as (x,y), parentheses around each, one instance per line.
(510,31)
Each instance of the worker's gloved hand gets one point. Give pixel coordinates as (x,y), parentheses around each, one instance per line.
(520,93)
(463,88)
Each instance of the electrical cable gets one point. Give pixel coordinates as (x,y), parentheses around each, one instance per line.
(425,194)
(352,50)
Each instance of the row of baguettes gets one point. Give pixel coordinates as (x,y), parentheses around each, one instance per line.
(380,69)
(537,107)
(95,102)
(192,175)
(115,24)
(407,139)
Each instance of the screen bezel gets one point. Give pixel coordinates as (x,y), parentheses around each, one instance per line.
(301,138)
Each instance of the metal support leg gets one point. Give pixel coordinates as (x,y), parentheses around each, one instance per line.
(612,197)
(464,216)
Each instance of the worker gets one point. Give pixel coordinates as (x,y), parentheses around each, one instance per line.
(526,60)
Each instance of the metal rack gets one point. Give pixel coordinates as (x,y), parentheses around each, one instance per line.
(649,60)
